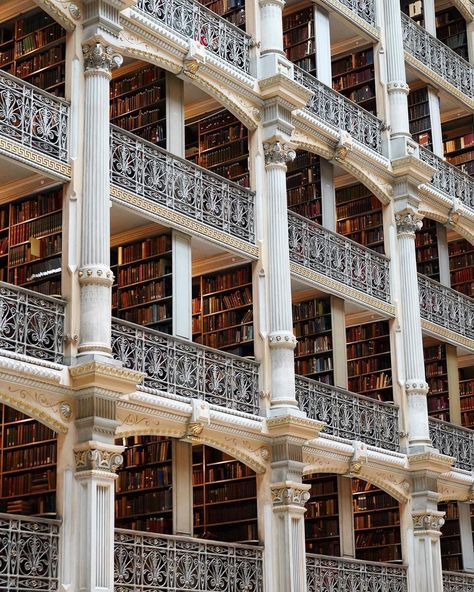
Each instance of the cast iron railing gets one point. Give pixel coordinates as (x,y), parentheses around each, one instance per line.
(180,367)
(453,440)
(458,581)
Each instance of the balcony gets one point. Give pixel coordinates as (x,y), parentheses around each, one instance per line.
(449,179)
(447,309)
(436,60)
(458,581)
(455,441)
(349,415)
(144,561)
(338,574)
(30,553)
(180,189)
(31,324)
(365,9)
(333,109)
(33,125)
(191,20)
(178,367)
(339,259)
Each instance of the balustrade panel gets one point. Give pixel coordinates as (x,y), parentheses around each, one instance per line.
(458,582)
(455,441)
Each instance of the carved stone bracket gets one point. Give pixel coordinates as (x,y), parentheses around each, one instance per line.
(100,58)
(278,153)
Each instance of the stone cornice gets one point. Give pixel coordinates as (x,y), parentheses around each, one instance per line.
(67,14)
(110,377)
(298,428)
(431,462)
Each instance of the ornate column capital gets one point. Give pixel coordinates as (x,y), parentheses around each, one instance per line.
(416,387)
(290,494)
(93,456)
(100,58)
(408,223)
(278,153)
(428,521)
(279,3)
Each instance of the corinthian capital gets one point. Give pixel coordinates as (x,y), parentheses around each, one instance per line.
(408,223)
(278,153)
(100,58)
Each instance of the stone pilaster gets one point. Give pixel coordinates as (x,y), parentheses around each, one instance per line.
(416,387)
(397,86)
(281,339)
(95,276)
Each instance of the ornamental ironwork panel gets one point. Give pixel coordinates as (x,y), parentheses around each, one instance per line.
(446,307)
(33,118)
(458,581)
(29,550)
(363,8)
(334,574)
(31,324)
(146,562)
(437,56)
(143,168)
(349,415)
(338,258)
(455,441)
(449,179)
(180,367)
(194,21)
(336,110)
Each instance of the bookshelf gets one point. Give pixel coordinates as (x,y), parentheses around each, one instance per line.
(451,552)
(138,102)
(359,216)
(312,328)
(451,30)
(143,490)
(33,48)
(219,142)
(232,10)
(298,38)
(369,361)
(143,291)
(466,391)
(436,371)
(376,523)
(426,247)
(225,318)
(33,252)
(458,143)
(461,266)
(414,9)
(224,497)
(419,117)
(353,75)
(322,515)
(303,186)
(28,465)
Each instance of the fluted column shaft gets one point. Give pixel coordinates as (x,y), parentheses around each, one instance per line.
(397,86)
(95,276)
(271,18)
(281,339)
(415,385)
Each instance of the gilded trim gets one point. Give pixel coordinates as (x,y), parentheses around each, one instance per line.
(448,334)
(33,158)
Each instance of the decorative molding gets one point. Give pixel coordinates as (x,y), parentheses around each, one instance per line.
(290,494)
(94,456)
(428,521)
(408,223)
(100,58)
(278,153)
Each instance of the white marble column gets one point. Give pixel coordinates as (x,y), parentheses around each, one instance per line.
(429,16)
(322,40)
(416,387)
(397,86)
(95,276)
(271,26)
(435,121)
(281,339)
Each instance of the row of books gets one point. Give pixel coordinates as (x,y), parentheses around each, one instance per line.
(313,366)
(26,253)
(372,500)
(225,280)
(419,109)
(303,194)
(359,205)
(30,482)
(298,52)
(331,548)
(229,336)
(35,271)
(231,470)
(369,238)
(221,119)
(360,223)
(462,275)
(143,99)
(148,270)
(317,325)
(356,60)
(362,94)
(298,35)
(233,171)
(147,478)
(50,78)
(461,158)
(132,122)
(323,507)
(435,369)
(467,403)
(364,366)
(388,518)
(227,319)
(295,19)
(343,82)
(313,345)
(466,387)
(323,486)
(146,503)
(135,81)
(378,537)
(36,228)
(33,456)
(436,404)
(464,141)
(49,58)
(309,309)
(360,384)
(420,125)
(26,433)
(311,210)
(238,148)
(145,293)
(44,504)
(32,22)
(231,491)
(361,332)
(213,304)
(39,205)
(38,39)
(322,528)
(154,313)
(222,136)
(231,512)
